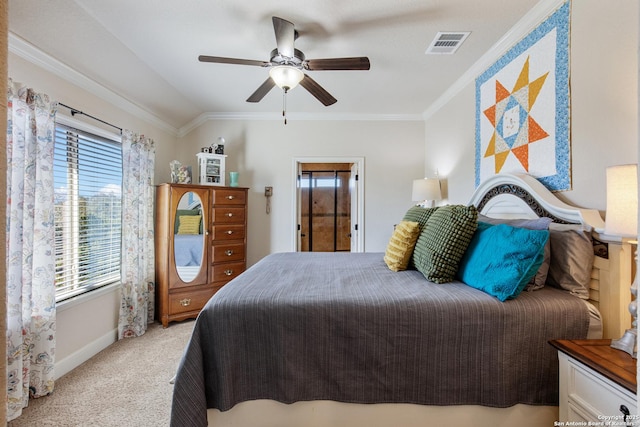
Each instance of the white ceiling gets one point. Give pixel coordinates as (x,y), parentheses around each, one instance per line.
(147,50)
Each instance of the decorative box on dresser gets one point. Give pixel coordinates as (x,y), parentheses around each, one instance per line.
(597,383)
(182,285)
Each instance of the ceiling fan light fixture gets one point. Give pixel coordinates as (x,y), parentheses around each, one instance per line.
(286,77)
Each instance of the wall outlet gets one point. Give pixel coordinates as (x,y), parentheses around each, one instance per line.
(268,191)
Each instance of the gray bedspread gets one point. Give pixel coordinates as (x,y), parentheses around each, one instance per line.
(343,327)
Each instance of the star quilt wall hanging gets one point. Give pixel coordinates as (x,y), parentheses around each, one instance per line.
(522,108)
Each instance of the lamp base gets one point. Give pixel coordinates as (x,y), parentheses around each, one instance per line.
(427,204)
(627,343)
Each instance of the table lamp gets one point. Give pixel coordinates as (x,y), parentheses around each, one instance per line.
(426,191)
(622,220)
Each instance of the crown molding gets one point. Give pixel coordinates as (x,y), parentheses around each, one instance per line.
(32,54)
(205,117)
(524,26)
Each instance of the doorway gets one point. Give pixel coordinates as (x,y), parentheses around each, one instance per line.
(328,201)
(325,204)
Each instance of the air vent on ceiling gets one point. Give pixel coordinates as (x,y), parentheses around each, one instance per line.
(447,42)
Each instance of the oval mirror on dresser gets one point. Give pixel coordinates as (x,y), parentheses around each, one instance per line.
(188,239)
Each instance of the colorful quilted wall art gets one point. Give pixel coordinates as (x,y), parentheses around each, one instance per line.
(522,108)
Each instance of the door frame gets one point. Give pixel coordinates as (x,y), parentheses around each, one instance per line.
(359,187)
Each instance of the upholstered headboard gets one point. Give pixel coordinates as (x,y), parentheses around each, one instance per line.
(522,196)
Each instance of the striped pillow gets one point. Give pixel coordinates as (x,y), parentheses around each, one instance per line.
(400,247)
(443,242)
(189,224)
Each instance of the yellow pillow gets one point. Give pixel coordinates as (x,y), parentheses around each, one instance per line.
(189,224)
(400,247)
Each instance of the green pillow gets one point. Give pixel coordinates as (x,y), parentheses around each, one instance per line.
(443,242)
(419,214)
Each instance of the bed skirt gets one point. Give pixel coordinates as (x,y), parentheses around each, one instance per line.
(323,413)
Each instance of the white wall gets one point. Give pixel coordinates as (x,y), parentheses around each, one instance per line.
(263,152)
(604,107)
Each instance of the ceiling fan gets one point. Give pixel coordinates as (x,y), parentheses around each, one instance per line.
(287,65)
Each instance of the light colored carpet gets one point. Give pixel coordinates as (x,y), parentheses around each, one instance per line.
(127,384)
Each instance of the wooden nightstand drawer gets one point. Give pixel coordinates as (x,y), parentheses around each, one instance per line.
(596,382)
(595,394)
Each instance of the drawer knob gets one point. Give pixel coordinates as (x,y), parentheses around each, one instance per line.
(229,252)
(230,214)
(230,197)
(185,302)
(230,232)
(228,272)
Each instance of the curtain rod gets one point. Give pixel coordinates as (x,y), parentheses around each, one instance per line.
(75,111)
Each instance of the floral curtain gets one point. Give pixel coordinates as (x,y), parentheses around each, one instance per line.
(138,287)
(31,306)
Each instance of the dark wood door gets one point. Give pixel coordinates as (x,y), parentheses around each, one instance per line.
(326,208)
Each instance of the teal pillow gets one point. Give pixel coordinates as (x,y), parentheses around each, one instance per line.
(540,278)
(502,259)
(443,242)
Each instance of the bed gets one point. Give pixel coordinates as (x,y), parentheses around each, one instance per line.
(321,339)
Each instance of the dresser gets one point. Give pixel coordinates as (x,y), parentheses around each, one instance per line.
(597,383)
(200,245)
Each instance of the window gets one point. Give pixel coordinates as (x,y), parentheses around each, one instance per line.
(88,211)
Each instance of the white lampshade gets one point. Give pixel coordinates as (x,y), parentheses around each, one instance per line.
(286,77)
(622,201)
(426,189)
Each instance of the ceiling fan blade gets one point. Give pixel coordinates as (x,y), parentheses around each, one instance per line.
(318,91)
(262,90)
(222,60)
(358,63)
(285,36)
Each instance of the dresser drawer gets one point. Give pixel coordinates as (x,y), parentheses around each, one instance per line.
(593,396)
(228,215)
(228,252)
(229,197)
(226,271)
(228,232)
(182,302)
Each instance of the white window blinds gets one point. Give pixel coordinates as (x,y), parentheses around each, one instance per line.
(88,214)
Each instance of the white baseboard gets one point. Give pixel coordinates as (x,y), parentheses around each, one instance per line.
(77,358)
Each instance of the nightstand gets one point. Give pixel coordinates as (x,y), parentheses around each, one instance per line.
(597,382)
